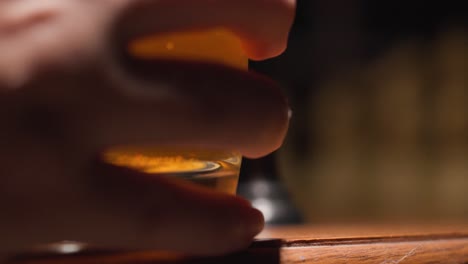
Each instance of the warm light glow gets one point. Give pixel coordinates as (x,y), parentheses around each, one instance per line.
(218,46)
(157,164)
(170,46)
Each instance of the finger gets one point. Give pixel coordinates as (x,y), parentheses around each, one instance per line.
(180,216)
(263,25)
(38,34)
(183,104)
(127,211)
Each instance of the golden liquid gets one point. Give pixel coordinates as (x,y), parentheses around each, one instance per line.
(217,170)
(217,45)
(214,169)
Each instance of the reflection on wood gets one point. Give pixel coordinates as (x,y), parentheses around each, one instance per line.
(442,251)
(319,244)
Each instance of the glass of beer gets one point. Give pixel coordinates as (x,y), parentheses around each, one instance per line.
(212,168)
(216,169)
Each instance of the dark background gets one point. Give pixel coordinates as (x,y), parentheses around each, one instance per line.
(380,125)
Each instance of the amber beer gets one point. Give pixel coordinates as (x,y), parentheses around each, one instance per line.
(216,169)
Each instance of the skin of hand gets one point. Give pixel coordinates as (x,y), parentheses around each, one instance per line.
(68,91)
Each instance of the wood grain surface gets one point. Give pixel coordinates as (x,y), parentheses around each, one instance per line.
(383,244)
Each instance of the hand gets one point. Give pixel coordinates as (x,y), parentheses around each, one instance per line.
(65,96)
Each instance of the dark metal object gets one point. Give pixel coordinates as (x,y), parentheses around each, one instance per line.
(259,183)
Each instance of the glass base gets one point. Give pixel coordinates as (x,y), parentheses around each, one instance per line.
(217,170)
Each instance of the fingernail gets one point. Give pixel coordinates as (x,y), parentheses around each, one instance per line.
(289,110)
(290,113)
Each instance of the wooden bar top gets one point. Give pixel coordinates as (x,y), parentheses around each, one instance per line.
(317,244)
